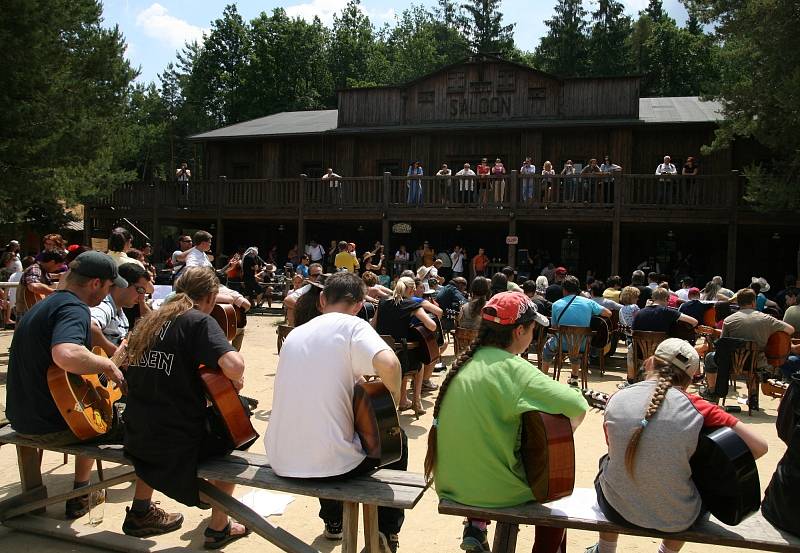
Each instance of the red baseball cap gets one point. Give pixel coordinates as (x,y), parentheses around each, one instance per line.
(561,271)
(508,308)
(694,290)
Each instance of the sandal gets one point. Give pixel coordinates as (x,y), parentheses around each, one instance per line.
(405,406)
(221,538)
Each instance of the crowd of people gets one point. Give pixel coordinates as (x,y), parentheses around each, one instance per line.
(356,320)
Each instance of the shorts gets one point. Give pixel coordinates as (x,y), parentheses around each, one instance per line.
(549,351)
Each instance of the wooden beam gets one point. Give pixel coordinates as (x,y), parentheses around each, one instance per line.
(371,540)
(349,527)
(505,537)
(7,511)
(252,520)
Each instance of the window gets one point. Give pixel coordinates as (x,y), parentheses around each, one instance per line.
(393,166)
(506,80)
(480,86)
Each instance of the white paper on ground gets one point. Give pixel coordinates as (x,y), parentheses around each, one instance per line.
(581,504)
(267,503)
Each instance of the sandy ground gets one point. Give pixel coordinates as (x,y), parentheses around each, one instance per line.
(424,529)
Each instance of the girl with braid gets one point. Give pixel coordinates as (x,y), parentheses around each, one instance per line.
(652,428)
(473,446)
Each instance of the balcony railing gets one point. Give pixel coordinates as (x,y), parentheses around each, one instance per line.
(520,192)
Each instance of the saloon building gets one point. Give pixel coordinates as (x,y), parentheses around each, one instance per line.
(259,182)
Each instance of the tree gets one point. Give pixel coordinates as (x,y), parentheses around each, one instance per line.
(563,51)
(485,31)
(64,89)
(655,11)
(608,39)
(351,47)
(760,91)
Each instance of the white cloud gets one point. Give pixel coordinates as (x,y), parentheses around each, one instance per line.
(158,24)
(324,9)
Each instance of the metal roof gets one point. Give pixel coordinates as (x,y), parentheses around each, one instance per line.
(679,109)
(686,109)
(279,124)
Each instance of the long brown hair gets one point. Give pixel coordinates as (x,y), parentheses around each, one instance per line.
(489,334)
(193,285)
(668,376)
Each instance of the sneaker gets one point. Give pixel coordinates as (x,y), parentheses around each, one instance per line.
(593,549)
(151,523)
(333,530)
(390,544)
(76,507)
(428,386)
(474,540)
(623,385)
(572,381)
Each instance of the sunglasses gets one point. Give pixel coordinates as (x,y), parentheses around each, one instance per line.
(140,290)
(186,241)
(314,275)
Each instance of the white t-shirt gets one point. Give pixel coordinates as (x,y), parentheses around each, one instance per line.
(311,430)
(196,258)
(12,292)
(111,320)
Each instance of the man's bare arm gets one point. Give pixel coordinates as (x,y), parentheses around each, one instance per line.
(387,367)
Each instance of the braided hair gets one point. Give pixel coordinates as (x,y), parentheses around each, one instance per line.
(668,376)
(489,334)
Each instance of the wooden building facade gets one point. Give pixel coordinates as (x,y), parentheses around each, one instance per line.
(259,180)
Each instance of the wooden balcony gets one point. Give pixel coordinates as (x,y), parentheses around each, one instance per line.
(621,197)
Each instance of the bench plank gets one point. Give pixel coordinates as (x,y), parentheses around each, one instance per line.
(753,533)
(252,520)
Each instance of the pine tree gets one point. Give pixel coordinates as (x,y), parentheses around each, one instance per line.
(485,29)
(351,47)
(655,10)
(563,51)
(608,40)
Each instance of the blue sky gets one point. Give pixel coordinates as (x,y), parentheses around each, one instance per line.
(155,30)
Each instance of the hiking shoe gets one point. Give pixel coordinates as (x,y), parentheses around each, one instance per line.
(390,544)
(153,522)
(428,386)
(474,540)
(333,530)
(77,506)
(572,381)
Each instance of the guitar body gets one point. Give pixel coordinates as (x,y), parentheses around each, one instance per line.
(31,298)
(376,422)
(601,332)
(724,471)
(83,400)
(682,330)
(778,348)
(548,455)
(225,399)
(225,315)
(427,341)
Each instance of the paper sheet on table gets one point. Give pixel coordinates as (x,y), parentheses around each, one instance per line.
(581,504)
(267,503)
(161,291)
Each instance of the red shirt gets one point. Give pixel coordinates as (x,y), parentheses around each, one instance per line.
(483,170)
(480,262)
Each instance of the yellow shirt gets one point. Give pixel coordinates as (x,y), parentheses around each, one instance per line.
(611,294)
(346,260)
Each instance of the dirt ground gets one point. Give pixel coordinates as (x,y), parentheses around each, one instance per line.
(424,529)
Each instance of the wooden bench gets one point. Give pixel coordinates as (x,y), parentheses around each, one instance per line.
(576,511)
(384,488)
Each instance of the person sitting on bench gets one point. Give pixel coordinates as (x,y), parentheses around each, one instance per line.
(320,362)
(57,331)
(168,428)
(652,428)
(473,446)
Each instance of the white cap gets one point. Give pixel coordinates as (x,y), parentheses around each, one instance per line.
(679,353)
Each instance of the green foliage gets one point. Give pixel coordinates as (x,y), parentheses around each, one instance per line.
(64,89)
(609,33)
(563,51)
(352,45)
(760,90)
(485,30)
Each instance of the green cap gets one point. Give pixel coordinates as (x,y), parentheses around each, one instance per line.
(94,264)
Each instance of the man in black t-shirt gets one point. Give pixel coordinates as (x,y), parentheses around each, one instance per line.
(645,292)
(57,331)
(658,317)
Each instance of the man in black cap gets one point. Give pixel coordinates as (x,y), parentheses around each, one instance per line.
(56,331)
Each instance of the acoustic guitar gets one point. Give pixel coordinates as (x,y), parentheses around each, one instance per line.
(226,316)
(376,422)
(778,348)
(84,400)
(228,405)
(428,341)
(601,332)
(724,471)
(31,298)
(548,455)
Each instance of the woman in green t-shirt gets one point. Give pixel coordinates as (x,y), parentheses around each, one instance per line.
(473,446)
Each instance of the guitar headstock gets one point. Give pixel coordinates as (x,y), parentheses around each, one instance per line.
(595,399)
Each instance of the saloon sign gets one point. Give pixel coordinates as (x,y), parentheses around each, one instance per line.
(483,105)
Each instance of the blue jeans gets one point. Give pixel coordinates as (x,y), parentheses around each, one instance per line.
(789,368)
(415,193)
(527,190)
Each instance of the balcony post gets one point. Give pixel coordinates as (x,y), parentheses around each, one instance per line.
(156,221)
(514,184)
(222,185)
(620,183)
(512,248)
(301,224)
(387,191)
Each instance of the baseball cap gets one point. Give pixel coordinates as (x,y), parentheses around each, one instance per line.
(679,353)
(94,264)
(561,271)
(694,290)
(507,308)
